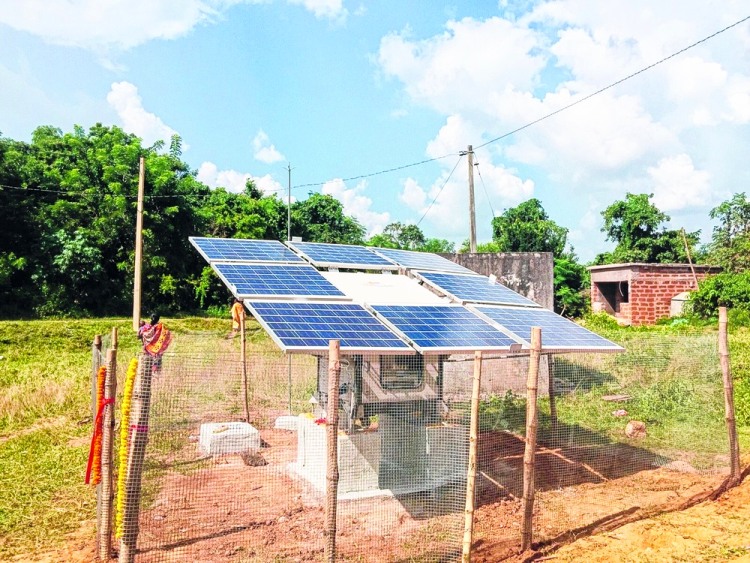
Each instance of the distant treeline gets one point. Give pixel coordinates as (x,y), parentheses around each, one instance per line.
(68,205)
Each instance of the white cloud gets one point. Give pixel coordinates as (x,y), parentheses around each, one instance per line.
(357,204)
(264,150)
(118,24)
(124,99)
(234,181)
(678,185)
(324,9)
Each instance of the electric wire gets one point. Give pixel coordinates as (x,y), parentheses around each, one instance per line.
(613,84)
(486,193)
(460,157)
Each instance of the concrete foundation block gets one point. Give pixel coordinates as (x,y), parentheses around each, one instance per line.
(220,438)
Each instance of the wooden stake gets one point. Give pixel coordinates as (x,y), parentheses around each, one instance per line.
(139,418)
(106,490)
(332,436)
(138,246)
(96,360)
(552,401)
(243,359)
(529,454)
(471,473)
(734,448)
(690,260)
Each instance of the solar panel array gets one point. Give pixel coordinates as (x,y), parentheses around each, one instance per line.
(245,250)
(254,280)
(309,326)
(421,260)
(444,328)
(477,289)
(342,256)
(302,310)
(557,332)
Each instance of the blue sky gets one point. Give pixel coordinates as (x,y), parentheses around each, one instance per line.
(344,89)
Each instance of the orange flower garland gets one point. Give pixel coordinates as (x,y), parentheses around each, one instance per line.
(127,396)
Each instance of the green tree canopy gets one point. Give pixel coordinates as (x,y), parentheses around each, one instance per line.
(321,218)
(528,228)
(730,241)
(636,225)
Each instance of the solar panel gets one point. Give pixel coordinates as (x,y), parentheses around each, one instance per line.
(421,260)
(478,289)
(243,250)
(342,256)
(280,280)
(557,332)
(308,327)
(443,328)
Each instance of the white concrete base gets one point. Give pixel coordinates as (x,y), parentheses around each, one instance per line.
(220,438)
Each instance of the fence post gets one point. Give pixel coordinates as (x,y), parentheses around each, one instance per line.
(332,433)
(243,360)
(552,398)
(532,385)
(471,473)
(139,418)
(106,490)
(96,360)
(734,448)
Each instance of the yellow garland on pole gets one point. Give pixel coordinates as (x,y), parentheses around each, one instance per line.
(122,466)
(96,468)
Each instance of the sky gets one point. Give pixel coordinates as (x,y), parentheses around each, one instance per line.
(374,102)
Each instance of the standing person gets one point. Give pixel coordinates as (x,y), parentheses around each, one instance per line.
(238,314)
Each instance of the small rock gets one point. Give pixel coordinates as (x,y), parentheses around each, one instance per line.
(282,519)
(635,429)
(159,517)
(620,412)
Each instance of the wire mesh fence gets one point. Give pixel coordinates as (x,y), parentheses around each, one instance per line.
(617,433)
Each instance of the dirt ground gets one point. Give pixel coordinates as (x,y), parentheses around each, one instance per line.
(227,510)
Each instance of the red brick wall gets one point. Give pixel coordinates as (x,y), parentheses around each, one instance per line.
(652,289)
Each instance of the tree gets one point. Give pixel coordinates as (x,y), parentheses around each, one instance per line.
(321,218)
(730,241)
(409,237)
(637,227)
(528,228)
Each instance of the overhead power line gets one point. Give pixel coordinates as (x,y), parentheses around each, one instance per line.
(620,81)
(441,189)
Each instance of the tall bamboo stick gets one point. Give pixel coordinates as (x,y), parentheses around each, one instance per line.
(471,473)
(243,360)
(552,399)
(139,418)
(332,435)
(734,448)
(106,490)
(532,385)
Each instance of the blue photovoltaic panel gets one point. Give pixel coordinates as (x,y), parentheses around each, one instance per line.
(283,280)
(478,289)
(421,260)
(306,326)
(243,250)
(557,332)
(444,328)
(342,255)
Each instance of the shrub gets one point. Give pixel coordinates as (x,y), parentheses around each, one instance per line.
(722,290)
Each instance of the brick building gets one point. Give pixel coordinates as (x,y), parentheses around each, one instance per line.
(638,294)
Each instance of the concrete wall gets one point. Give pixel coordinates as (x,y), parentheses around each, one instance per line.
(528,273)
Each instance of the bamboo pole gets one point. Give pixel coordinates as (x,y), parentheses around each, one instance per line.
(552,398)
(690,259)
(734,448)
(96,360)
(138,246)
(139,418)
(106,490)
(332,434)
(532,384)
(243,360)
(471,473)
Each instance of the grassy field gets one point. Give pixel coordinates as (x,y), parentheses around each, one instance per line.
(45,418)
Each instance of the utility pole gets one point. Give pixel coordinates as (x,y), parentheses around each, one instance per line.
(472,211)
(289,202)
(138,247)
